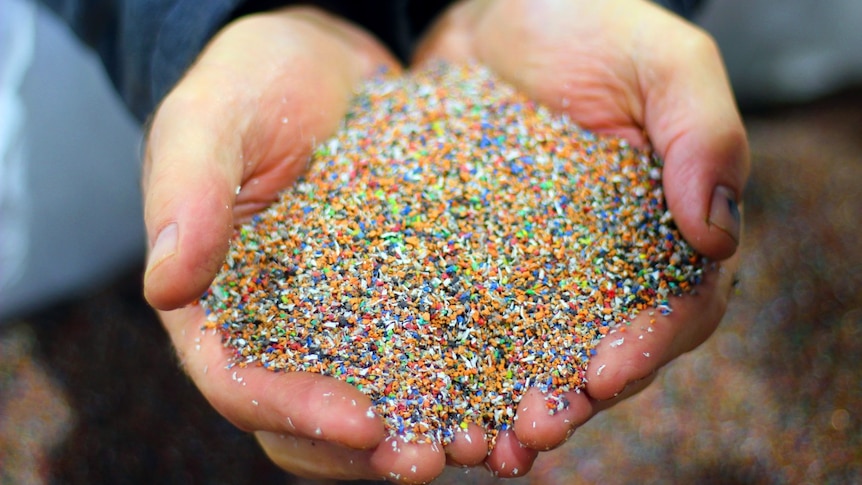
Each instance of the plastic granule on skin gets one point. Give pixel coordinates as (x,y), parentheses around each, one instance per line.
(452,246)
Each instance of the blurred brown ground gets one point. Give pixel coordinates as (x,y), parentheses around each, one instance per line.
(90,392)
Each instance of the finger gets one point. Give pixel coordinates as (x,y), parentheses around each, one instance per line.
(631,389)
(468,447)
(315,458)
(635,351)
(404,462)
(189,191)
(537,428)
(692,120)
(394,460)
(510,458)
(450,37)
(253,398)
(236,130)
(715,307)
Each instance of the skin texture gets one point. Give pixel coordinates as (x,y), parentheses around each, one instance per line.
(269,86)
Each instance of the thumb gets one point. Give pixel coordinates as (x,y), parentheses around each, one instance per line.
(692,120)
(218,126)
(190,180)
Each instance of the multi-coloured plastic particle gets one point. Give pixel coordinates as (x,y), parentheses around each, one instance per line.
(453,245)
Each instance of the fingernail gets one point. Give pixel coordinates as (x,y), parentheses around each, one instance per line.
(724,212)
(165,245)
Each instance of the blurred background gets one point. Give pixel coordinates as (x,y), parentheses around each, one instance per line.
(90,391)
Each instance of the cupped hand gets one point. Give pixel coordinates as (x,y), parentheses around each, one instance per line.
(238,128)
(629,68)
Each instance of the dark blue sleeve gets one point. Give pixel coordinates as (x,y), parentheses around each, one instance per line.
(685,8)
(145,45)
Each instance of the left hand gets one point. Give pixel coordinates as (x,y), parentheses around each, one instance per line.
(632,69)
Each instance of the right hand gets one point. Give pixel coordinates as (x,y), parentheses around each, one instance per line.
(247,114)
